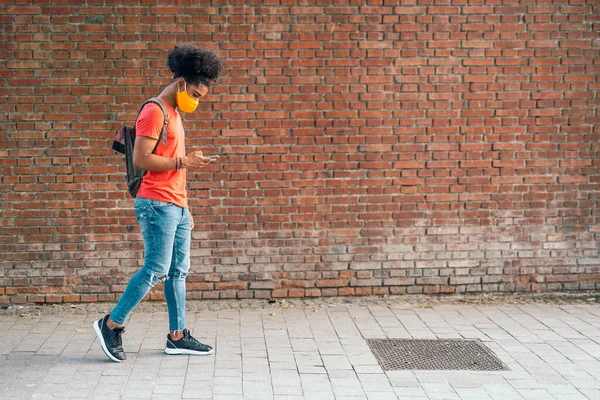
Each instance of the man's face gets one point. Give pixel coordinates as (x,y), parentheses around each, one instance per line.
(194,91)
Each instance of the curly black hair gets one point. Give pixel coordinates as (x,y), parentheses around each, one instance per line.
(195,64)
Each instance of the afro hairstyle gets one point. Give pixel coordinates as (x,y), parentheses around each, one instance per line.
(197,65)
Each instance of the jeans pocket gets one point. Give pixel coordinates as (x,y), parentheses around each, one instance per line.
(160,204)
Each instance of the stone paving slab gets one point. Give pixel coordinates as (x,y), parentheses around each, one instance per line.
(303,351)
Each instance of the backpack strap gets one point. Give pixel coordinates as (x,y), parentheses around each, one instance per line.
(157,101)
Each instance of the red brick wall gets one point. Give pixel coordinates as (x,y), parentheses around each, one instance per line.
(366,149)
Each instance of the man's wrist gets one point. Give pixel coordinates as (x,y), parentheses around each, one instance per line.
(183,162)
(178,163)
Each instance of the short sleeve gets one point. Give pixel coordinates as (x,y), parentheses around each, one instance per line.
(150,121)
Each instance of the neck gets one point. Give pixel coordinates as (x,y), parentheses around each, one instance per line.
(169,95)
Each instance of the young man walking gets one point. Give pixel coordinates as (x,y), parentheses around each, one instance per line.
(161,204)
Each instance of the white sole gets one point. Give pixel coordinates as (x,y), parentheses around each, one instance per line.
(101,339)
(173,352)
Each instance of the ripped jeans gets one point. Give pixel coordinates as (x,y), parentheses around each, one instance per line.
(166,230)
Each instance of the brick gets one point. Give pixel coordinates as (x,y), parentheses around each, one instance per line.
(231,285)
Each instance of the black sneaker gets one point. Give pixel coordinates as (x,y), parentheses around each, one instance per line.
(110,340)
(187,345)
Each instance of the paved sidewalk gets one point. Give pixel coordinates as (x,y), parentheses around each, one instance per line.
(306,352)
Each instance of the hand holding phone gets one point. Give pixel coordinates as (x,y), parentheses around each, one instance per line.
(196,160)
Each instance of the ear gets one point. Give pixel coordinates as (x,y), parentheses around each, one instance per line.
(180,84)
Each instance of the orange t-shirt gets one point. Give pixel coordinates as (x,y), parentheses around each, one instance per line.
(167,186)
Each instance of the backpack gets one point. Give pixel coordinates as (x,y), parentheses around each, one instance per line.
(124,142)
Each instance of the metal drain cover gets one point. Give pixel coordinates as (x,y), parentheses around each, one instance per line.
(395,354)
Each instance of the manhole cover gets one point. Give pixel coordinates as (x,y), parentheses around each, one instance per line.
(395,354)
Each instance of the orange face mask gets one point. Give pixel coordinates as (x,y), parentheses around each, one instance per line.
(185,102)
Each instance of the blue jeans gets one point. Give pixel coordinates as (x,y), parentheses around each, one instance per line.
(166,230)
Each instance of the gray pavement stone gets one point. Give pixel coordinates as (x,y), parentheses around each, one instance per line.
(536,394)
(227,385)
(287,390)
(303,345)
(344,397)
(368,369)
(410,392)
(197,394)
(525,384)
(330,348)
(319,383)
(404,379)
(319,396)
(347,390)
(375,383)
(332,362)
(472,393)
